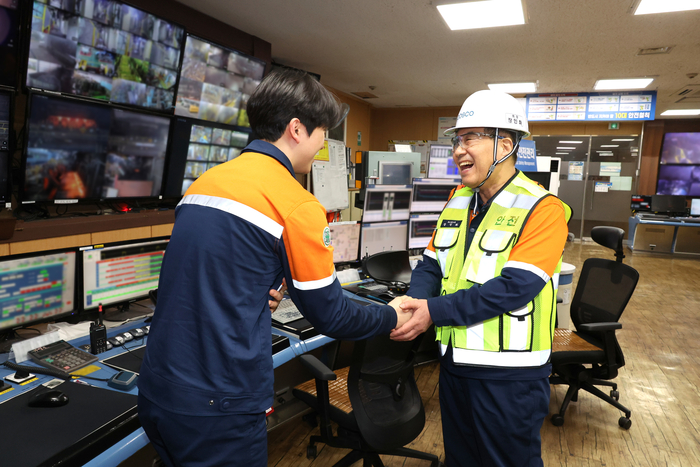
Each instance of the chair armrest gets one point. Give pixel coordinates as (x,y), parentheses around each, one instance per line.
(599,327)
(317,368)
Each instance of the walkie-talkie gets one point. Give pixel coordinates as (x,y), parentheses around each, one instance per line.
(98,334)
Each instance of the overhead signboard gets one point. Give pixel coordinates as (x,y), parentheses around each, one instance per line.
(592,106)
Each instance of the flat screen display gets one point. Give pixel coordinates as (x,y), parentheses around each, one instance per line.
(121,273)
(5,151)
(681,180)
(197,147)
(81,150)
(106,50)
(216,82)
(681,148)
(36,287)
(695,207)
(420,229)
(431,195)
(9,42)
(665,204)
(345,239)
(387,203)
(440,162)
(383,236)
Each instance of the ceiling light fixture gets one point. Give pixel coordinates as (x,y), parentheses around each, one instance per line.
(679,112)
(562,147)
(562,153)
(484,14)
(631,83)
(513,88)
(623,139)
(609,145)
(570,142)
(647,7)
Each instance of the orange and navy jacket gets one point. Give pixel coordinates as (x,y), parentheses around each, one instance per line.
(531,263)
(240,228)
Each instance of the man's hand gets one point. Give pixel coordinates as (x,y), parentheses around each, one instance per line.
(402,316)
(277,295)
(420,320)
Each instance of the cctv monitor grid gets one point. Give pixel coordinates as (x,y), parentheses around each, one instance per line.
(216,83)
(104,50)
(53,285)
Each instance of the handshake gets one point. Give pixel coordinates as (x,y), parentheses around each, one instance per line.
(412,318)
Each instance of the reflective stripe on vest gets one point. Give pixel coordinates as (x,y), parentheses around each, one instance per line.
(520,338)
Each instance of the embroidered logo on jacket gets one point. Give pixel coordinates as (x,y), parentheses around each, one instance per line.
(327,237)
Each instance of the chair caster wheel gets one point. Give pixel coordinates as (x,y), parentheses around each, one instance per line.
(615,394)
(311,452)
(557,419)
(625,423)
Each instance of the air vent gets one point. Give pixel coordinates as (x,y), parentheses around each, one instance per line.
(688,93)
(365,95)
(654,51)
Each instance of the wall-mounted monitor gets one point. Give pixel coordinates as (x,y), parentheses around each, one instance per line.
(440,162)
(106,50)
(197,147)
(431,194)
(387,203)
(216,82)
(345,239)
(681,180)
(376,237)
(118,274)
(6,148)
(681,148)
(77,150)
(37,287)
(10,14)
(420,229)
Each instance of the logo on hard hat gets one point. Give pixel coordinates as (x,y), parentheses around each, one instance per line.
(466,113)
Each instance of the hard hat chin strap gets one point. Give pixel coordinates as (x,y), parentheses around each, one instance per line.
(496,161)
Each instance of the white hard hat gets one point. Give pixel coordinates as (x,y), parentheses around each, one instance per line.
(491,109)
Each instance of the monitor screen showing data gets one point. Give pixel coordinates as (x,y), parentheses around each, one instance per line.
(387,203)
(431,195)
(36,288)
(121,273)
(383,236)
(440,162)
(345,238)
(420,229)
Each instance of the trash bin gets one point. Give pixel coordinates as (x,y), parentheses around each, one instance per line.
(565,293)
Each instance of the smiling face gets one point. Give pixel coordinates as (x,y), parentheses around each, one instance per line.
(474,162)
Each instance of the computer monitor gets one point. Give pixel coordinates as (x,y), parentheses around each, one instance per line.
(695,207)
(431,194)
(376,237)
(118,274)
(10,15)
(79,150)
(440,162)
(196,147)
(104,50)
(216,82)
(420,229)
(36,287)
(543,178)
(395,173)
(387,203)
(668,204)
(345,238)
(6,98)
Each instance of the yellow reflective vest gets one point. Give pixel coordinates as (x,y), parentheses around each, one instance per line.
(520,338)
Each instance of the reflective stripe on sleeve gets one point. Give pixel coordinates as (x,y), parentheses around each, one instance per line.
(314,285)
(528,267)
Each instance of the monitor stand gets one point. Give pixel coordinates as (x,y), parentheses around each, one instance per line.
(126,312)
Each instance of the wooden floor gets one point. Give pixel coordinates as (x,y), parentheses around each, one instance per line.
(660,385)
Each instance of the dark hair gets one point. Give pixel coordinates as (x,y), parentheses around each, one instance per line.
(512,135)
(286,94)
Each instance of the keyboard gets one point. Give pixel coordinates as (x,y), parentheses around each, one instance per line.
(286,312)
(690,220)
(374,288)
(61,356)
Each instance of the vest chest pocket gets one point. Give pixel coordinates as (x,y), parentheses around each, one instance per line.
(445,239)
(486,261)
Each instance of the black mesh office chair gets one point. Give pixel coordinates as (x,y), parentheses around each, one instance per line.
(604,288)
(375,402)
(391,268)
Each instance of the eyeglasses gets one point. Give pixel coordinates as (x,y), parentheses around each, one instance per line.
(468,140)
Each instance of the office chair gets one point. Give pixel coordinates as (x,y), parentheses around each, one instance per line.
(604,288)
(391,268)
(375,402)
